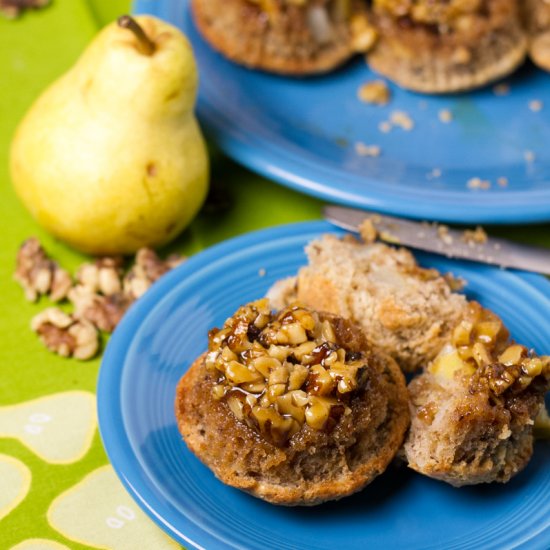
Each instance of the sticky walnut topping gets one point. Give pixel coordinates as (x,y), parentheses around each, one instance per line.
(481,348)
(278,372)
(442,13)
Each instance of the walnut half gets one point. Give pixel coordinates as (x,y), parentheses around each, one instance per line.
(39,275)
(65,335)
(105,312)
(147,269)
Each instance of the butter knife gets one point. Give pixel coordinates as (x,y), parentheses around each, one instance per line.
(440,239)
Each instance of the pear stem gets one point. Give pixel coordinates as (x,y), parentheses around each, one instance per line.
(145,45)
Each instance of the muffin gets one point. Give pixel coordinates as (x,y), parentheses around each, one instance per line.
(295,37)
(294,407)
(537,16)
(408,312)
(474,409)
(442,46)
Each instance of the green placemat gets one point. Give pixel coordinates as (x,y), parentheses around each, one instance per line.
(56,482)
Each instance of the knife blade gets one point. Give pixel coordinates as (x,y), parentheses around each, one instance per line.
(440,239)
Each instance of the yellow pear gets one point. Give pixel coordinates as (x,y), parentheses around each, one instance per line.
(110,157)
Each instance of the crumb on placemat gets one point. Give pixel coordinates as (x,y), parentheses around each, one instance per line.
(368,230)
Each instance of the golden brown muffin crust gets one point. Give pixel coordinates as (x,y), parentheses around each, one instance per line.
(278,39)
(315,466)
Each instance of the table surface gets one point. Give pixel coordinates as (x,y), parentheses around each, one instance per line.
(60,487)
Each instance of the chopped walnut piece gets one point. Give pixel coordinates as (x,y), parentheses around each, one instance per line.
(104,275)
(38,274)
(278,372)
(455,283)
(13,8)
(147,269)
(65,335)
(402,119)
(375,92)
(363,33)
(104,312)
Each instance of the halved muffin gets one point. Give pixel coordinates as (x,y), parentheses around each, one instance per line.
(407,311)
(442,46)
(296,37)
(474,409)
(293,407)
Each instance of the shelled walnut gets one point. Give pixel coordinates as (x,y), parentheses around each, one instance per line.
(101,295)
(147,269)
(104,312)
(104,275)
(66,335)
(38,274)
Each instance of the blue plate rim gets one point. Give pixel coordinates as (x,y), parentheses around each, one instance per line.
(110,420)
(256,152)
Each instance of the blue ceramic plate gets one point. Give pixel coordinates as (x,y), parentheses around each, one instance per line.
(167,329)
(302,133)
